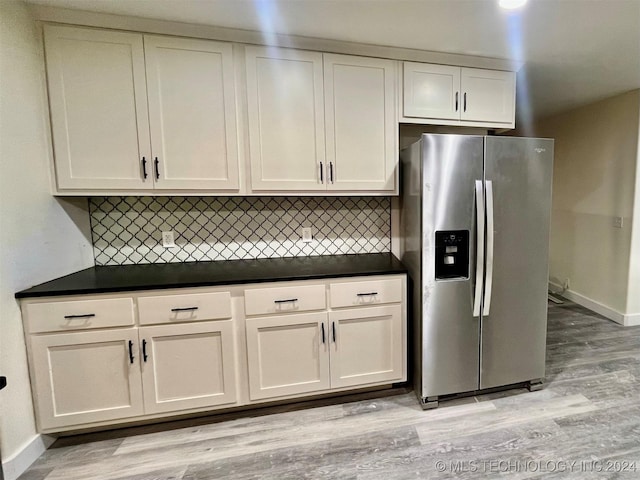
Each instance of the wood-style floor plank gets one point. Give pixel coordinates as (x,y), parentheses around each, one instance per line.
(589,411)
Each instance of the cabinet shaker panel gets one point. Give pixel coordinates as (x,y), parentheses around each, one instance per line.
(98,101)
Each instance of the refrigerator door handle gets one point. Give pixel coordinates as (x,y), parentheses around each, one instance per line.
(490,241)
(479,247)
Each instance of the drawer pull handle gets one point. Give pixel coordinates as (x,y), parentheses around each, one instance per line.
(323,338)
(288,300)
(86,315)
(131,352)
(333,328)
(368,294)
(185,309)
(144,350)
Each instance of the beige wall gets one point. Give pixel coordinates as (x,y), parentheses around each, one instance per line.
(40,237)
(596,155)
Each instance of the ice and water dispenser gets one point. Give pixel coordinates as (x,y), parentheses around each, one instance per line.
(452,254)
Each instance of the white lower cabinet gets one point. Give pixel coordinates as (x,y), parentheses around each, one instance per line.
(86,377)
(347,347)
(366,346)
(104,359)
(187,366)
(287,355)
(93,376)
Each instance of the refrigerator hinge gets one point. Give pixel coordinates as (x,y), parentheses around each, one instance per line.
(427,403)
(535,385)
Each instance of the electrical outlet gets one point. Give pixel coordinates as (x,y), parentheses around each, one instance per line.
(307,235)
(168,240)
(618,222)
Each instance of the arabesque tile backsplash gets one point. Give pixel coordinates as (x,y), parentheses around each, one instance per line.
(127,230)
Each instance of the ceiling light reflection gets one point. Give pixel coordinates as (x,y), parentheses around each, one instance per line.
(511,4)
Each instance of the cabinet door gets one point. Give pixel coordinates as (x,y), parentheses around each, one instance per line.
(361,127)
(431,91)
(488,95)
(287,355)
(188,366)
(366,346)
(98,100)
(86,377)
(192,113)
(286,119)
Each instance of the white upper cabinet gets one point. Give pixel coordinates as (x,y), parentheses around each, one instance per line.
(115,130)
(431,91)
(148,114)
(488,95)
(361,127)
(321,122)
(286,119)
(447,95)
(98,101)
(192,113)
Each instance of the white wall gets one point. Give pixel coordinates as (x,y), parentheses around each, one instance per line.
(40,237)
(596,156)
(633,295)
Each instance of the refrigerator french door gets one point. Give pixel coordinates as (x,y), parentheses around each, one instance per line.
(475,220)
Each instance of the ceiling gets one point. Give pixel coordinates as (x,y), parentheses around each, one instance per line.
(574,51)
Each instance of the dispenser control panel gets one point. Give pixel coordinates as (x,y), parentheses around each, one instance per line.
(452,254)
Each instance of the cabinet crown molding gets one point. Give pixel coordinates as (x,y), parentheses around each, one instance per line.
(164,27)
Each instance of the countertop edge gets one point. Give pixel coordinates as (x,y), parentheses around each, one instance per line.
(396,268)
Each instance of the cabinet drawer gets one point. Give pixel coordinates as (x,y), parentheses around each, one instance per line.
(261,301)
(79,314)
(373,292)
(184,308)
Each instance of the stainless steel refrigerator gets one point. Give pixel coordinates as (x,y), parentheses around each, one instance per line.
(475,219)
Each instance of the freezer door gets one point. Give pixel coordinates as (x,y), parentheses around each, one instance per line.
(518,175)
(452,167)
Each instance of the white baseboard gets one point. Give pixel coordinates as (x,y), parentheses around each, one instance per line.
(632,320)
(627,320)
(18,463)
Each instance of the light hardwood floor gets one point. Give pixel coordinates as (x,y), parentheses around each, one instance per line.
(588,413)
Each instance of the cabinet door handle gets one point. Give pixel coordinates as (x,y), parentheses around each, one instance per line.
(323,338)
(333,331)
(288,300)
(185,309)
(321,175)
(465,101)
(156,162)
(457,94)
(131,357)
(85,315)
(144,168)
(368,294)
(144,350)
(331,171)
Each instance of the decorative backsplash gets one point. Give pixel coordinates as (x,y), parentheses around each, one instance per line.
(127,230)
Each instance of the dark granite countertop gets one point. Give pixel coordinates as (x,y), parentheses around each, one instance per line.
(121,278)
